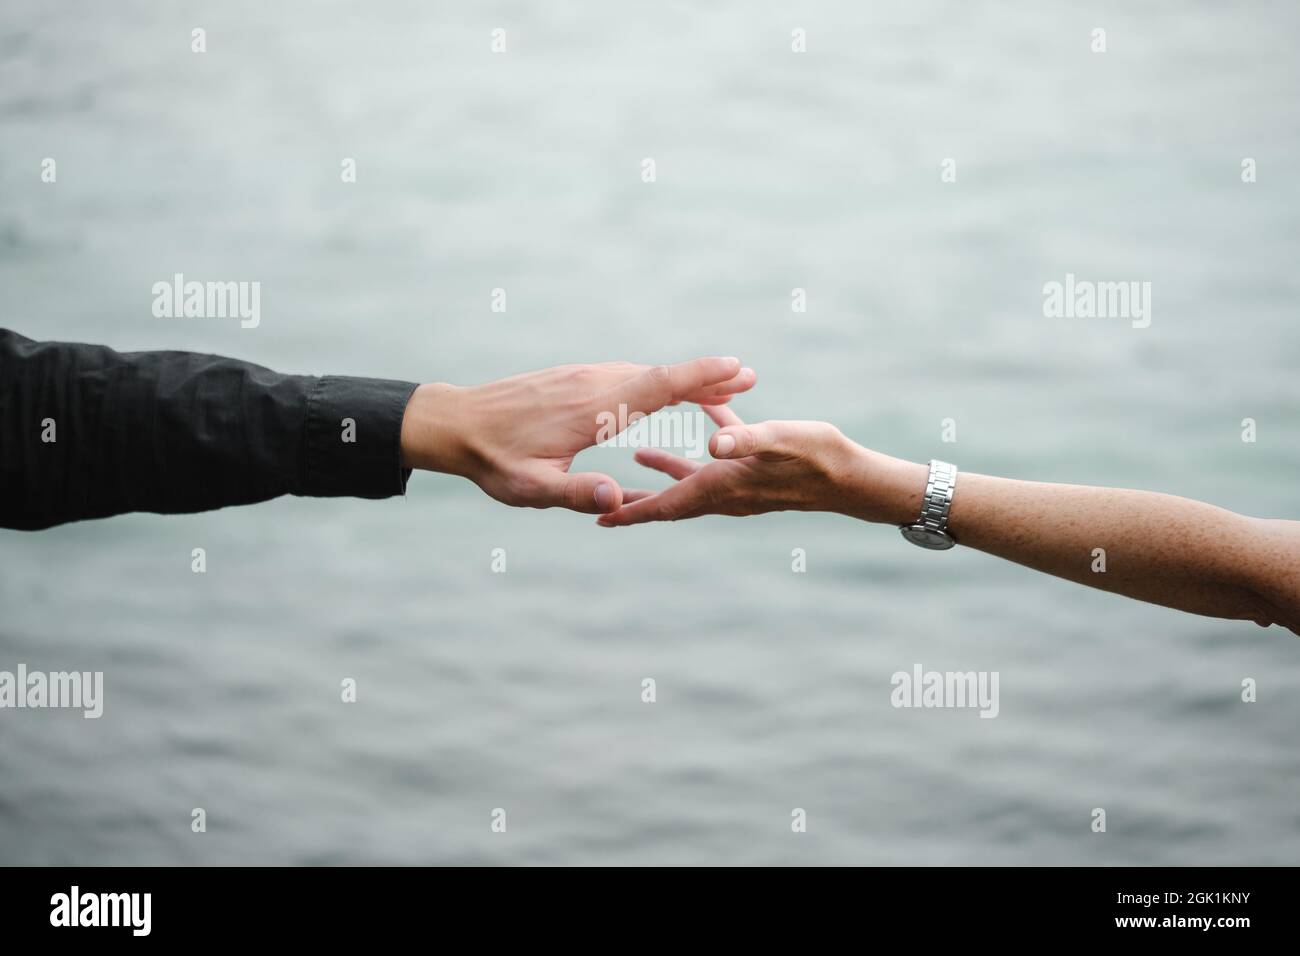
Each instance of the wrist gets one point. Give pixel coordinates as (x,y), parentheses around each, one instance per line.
(880,488)
(435,430)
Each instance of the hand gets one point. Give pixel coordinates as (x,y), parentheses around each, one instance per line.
(516,438)
(776,466)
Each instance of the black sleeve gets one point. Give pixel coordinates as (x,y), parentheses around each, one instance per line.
(87,432)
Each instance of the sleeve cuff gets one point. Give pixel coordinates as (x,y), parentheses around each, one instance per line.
(352,437)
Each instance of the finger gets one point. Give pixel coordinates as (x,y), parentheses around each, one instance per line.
(660,385)
(589,492)
(740,441)
(743,381)
(672,465)
(636,494)
(722,415)
(677,501)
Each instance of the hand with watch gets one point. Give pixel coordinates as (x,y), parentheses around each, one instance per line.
(1158,544)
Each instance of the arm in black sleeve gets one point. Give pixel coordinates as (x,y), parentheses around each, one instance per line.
(87,432)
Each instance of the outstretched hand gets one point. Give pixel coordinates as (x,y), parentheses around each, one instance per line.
(516,438)
(769,466)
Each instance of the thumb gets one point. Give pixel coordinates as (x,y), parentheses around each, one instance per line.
(741,441)
(589,492)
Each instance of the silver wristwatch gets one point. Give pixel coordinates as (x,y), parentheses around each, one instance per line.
(931,529)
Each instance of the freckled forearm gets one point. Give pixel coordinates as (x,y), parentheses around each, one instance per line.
(1154,547)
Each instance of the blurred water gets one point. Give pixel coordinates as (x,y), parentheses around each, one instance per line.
(522,691)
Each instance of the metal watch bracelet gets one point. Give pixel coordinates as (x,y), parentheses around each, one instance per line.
(930,530)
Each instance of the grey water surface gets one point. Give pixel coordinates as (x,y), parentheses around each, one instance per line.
(775,170)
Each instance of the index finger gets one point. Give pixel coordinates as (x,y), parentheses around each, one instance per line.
(722,415)
(660,385)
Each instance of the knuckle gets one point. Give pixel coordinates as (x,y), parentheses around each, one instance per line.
(583,375)
(661,377)
(567,492)
(572,495)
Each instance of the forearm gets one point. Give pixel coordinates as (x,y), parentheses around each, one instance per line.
(87,432)
(1154,547)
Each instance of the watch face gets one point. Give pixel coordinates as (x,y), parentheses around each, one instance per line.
(927,538)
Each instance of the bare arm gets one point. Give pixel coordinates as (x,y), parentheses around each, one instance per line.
(1159,548)
(1171,551)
